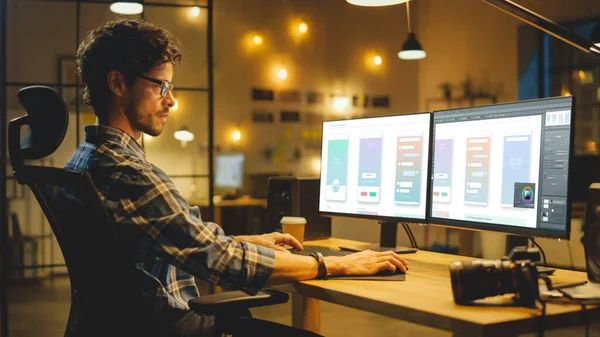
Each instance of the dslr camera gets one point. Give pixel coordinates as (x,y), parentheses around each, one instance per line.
(516,273)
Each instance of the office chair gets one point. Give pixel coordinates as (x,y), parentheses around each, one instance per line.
(101,278)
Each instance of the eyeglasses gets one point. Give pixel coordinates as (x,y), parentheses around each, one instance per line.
(165,86)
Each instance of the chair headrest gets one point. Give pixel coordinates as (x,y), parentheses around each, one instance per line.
(48,120)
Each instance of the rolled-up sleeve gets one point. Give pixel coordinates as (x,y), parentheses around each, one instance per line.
(148,200)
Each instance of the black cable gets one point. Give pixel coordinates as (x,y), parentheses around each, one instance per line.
(542,327)
(571,255)
(411,237)
(540,248)
(586,320)
(413,242)
(407,234)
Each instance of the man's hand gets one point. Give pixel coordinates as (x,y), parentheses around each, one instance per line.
(271,240)
(366,262)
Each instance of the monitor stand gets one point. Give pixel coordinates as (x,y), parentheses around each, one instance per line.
(387,241)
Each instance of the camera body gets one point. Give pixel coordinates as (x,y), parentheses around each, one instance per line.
(516,273)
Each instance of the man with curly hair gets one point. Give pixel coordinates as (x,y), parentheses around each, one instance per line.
(127,69)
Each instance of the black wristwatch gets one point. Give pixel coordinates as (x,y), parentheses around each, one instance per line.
(322,271)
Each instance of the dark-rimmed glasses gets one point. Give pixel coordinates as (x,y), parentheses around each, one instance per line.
(165,86)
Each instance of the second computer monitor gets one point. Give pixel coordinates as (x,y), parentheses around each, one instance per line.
(503,167)
(376,167)
(229,170)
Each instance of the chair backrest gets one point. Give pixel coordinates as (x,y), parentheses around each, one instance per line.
(101,277)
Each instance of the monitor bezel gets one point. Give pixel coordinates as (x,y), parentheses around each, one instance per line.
(516,230)
(378,217)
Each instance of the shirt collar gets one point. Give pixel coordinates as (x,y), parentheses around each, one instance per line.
(95,133)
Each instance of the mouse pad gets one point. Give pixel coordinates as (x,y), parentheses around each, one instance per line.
(395,277)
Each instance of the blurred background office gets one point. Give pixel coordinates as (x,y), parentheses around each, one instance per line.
(280,68)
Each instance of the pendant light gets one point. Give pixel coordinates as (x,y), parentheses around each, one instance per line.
(376,3)
(595,37)
(411,50)
(127,8)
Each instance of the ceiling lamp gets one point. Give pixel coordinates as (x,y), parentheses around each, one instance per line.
(127,8)
(595,37)
(376,3)
(184,136)
(411,50)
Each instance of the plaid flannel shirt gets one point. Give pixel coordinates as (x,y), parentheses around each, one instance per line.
(143,201)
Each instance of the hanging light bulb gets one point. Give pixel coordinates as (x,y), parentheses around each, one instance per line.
(127,8)
(411,50)
(257,40)
(377,60)
(302,27)
(236,135)
(282,73)
(195,11)
(376,3)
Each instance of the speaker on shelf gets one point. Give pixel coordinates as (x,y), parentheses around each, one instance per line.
(294,196)
(591,233)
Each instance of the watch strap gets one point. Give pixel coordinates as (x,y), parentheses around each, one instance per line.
(322,269)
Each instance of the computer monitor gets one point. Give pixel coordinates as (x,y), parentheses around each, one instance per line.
(376,168)
(229,170)
(504,167)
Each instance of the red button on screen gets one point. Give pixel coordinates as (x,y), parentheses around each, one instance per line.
(363,194)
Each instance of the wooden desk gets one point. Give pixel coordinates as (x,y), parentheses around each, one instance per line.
(426,298)
(240,202)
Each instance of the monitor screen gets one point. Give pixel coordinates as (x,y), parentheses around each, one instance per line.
(229,170)
(376,167)
(503,167)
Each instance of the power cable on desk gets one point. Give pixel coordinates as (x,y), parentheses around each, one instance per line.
(411,237)
(582,302)
(586,320)
(571,255)
(542,319)
(540,248)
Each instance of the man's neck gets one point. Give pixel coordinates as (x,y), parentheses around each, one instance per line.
(119,121)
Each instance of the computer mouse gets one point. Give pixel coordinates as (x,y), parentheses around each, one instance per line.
(387,272)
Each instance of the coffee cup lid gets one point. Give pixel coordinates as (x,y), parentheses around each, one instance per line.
(293,220)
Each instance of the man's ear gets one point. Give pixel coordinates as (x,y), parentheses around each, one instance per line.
(116,83)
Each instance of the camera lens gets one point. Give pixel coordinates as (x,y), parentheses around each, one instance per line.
(472,280)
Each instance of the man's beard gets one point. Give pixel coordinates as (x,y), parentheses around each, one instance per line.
(143,123)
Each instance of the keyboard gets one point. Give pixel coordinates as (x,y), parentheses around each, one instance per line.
(318,249)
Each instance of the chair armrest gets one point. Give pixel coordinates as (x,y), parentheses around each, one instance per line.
(235,301)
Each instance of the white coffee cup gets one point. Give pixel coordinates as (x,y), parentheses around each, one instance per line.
(294,226)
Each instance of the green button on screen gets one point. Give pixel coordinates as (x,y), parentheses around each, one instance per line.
(373,194)
(444,194)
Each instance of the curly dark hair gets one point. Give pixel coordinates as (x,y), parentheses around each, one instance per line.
(131,47)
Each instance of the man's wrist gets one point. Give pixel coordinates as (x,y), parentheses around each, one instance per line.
(333,265)
(241,238)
